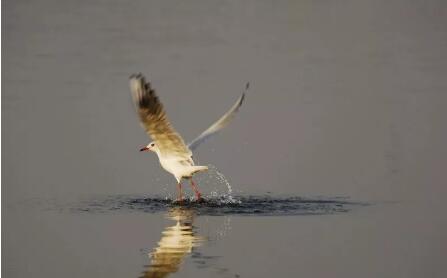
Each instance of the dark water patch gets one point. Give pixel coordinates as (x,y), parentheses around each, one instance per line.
(237,205)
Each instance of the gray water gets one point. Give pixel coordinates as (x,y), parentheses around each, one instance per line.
(337,159)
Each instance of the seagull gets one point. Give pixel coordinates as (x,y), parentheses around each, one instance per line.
(174,155)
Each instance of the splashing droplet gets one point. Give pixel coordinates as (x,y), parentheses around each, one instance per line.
(225,198)
(220,188)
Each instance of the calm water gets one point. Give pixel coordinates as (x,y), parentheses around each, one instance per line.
(335,166)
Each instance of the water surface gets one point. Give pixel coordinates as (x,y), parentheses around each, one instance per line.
(347,98)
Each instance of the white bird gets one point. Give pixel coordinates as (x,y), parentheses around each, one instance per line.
(174,155)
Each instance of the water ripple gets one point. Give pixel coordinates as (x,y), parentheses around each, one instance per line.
(237,205)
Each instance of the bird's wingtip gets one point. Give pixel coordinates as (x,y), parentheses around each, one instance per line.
(138,75)
(241,99)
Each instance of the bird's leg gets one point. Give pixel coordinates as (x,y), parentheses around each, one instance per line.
(196,190)
(180,192)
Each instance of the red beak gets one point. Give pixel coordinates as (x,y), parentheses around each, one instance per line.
(144,149)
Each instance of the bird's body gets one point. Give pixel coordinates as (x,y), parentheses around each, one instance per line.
(180,167)
(174,155)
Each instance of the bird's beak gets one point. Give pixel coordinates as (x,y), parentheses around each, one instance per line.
(144,149)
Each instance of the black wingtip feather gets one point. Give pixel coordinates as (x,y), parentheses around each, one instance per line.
(242,99)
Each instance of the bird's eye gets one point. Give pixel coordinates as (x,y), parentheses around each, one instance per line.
(152,144)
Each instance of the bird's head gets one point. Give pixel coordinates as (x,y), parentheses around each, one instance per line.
(152,146)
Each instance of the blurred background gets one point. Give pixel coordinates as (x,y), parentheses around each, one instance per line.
(347,98)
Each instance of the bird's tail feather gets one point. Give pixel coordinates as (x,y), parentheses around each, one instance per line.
(196,169)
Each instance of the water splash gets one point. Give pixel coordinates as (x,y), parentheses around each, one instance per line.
(221,188)
(244,205)
(213,184)
(222,179)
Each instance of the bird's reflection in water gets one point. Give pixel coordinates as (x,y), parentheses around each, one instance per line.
(176,242)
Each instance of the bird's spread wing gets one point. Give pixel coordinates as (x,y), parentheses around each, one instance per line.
(220,124)
(154,119)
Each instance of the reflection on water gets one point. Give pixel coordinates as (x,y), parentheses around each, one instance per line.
(176,242)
